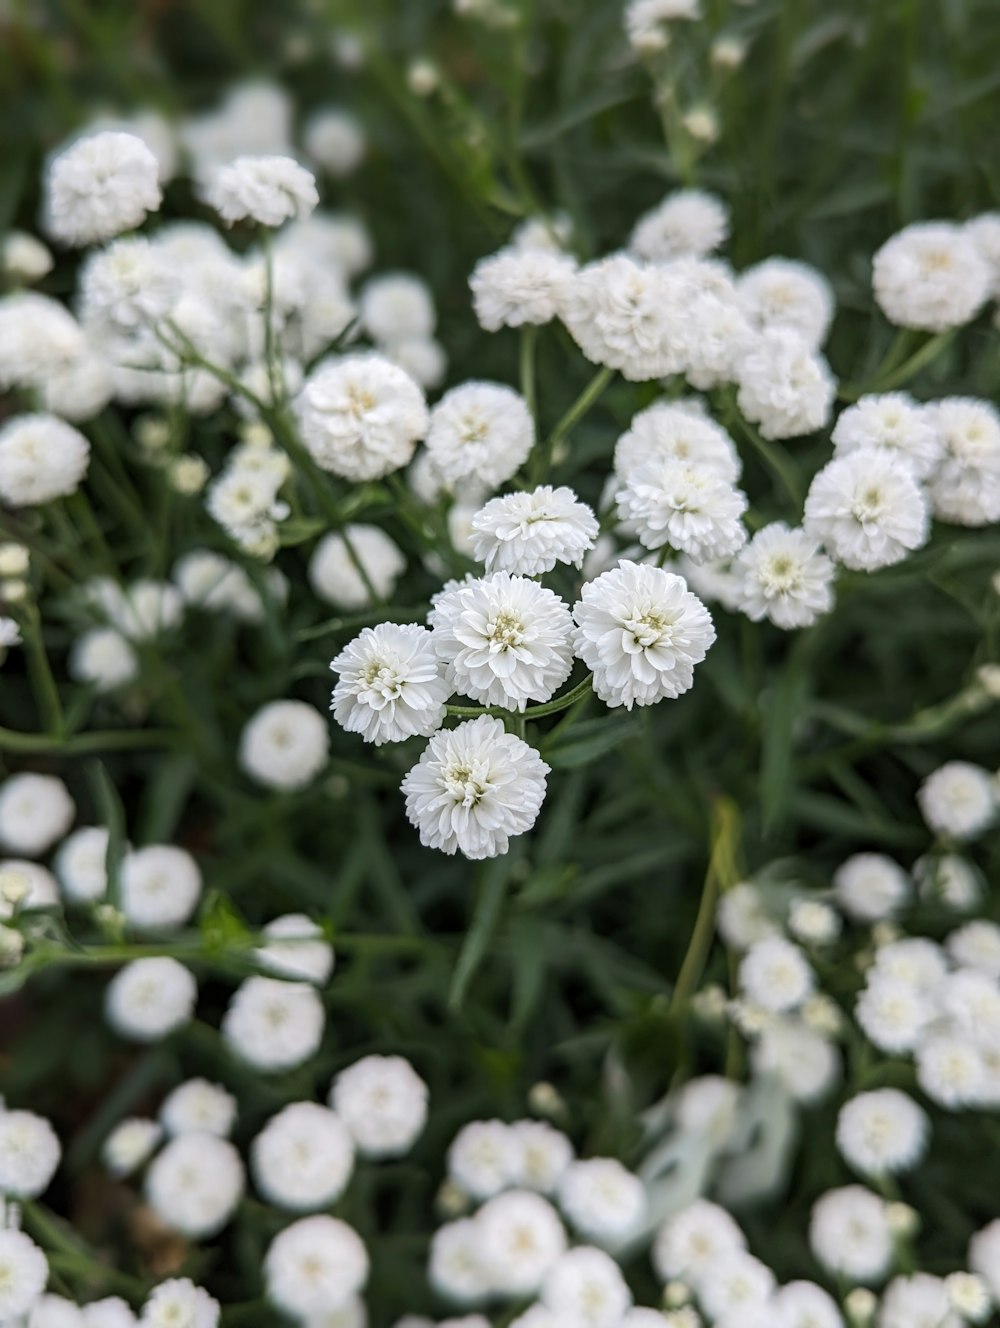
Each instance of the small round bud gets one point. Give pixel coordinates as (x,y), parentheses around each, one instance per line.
(822,1015)
(14,886)
(11,947)
(151,433)
(710,1003)
(545,1100)
(813,921)
(422,78)
(702,124)
(750,1019)
(14,559)
(728,52)
(14,591)
(860,1305)
(969,1296)
(188,474)
(676,1294)
(902,1219)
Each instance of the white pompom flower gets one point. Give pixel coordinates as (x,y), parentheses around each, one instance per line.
(274,1025)
(383,1103)
(785,577)
(395,306)
(959,800)
(268,190)
(529,533)
(691,508)
(782,292)
(303,1157)
(35,812)
(475,787)
(850,1234)
(931,276)
(296,949)
(689,222)
(965,488)
(504,640)
(775,975)
(868,509)
(391,685)
(585,1287)
(335,569)
(198,1107)
(41,458)
(677,431)
(285,745)
(150,998)
(480,431)
(882,1132)
(693,1239)
(130,1144)
(24,1270)
(641,632)
(160,886)
(895,421)
(315,1267)
(602,1200)
(29,1154)
(871,886)
(785,387)
(194,1184)
(516,287)
(178,1301)
(99,186)
(520,1237)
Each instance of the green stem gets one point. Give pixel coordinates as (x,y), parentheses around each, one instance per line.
(529,338)
(886,381)
(531,712)
(721,874)
(84,744)
(43,684)
(580,406)
(776,460)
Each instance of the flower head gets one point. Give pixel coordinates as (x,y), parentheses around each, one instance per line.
(268,190)
(99,186)
(528,533)
(785,577)
(868,509)
(931,276)
(480,431)
(390,685)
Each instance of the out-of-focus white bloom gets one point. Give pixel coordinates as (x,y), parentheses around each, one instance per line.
(198,1107)
(708,1105)
(515,287)
(383,1103)
(396,305)
(984,1256)
(969,1295)
(455,1268)
(687,222)
(950,1070)
(274,1025)
(628,316)
(335,140)
(958,800)
(882,1132)
(41,458)
(641,632)
(782,292)
(100,186)
(194,1184)
(361,416)
(805,1305)
(29,1154)
(505,640)
(813,921)
(647,22)
(51,1311)
(776,975)
(602,1199)
(335,576)
(303,1157)
(390,685)
(553,233)
(268,190)
(144,609)
(126,289)
(24,1270)
(930,276)
(520,1238)
(736,1283)
(692,1240)
(480,431)
(39,340)
(785,387)
(149,998)
(10,633)
(585,1286)
(178,1303)
(868,509)
(977,946)
(870,887)
(966,486)
(160,886)
(315,1266)
(423,358)
(25,884)
(850,1234)
(209,581)
(285,745)
(528,533)
(915,960)
(544,1153)
(483,1158)
(329,239)
(894,421)
(131,1143)
(805,1061)
(35,811)
(103,659)
(675,431)
(785,577)
(892,1013)
(689,507)
(24,257)
(296,949)
(917,1301)
(742,917)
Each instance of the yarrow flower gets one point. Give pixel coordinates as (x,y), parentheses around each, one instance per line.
(383,1103)
(348,567)
(29,1153)
(515,287)
(882,1132)
(892,420)
(296,949)
(149,998)
(504,640)
(391,685)
(529,533)
(931,276)
(314,1267)
(781,292)
(195,1183)
(41,458)
(480,431)
(689,222)
(99,186)
(647,22)
(784,386)
(179,1303)
(689,507)
(475,787)
(966,486)
(24,1270)
(868,509)
(303,1157)
(35,811)
(268,190)
(850,1234)
(285,745)
(785,577)
(641,632)
(959,800)
(677,431)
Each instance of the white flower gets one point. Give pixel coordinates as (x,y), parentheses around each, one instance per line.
(917,1301)
(10,633)
(149,998)
(315,1266)
(126,289)
(892,420)
(775,975)
(24,257)
(694,1239)
(396,305)
(528,533)
(24,1270)
(882,1132)
(178,1303)
(160,886)
(804,1061)
(483,1158)
(629,317)
(969,1295)
(26,884)
(480,431)
(361,416)
(959,800)
(850,1234)
(81,866)
(586,1286)
(544,1153)
(145,609)
(520,1238)
(892,1013)
(505,640)
(303,1157)
(131,1143)
(51,1311)
(285,745)
(268,190)
(423,358)
(687,222)
(977,946)
(35,811)
(383,1103)
(515,287)
(329,240)
(104,659)
(677,431)
(915,960)
(870,886)
(194,1184)
(689,507)
(984,1256)
(802,1304)
(335,140)
(335,576)
(274,1025)
(930,276)
(868,509)
(784,386)
(646,22)
(296,949)
(641,632)
(708,1105)
(41,458)
(785,577)
(966,486)
(742,917)
(29,1154)
(950,1070)
(211,582)
(198,1107)
(734,1284)
(602,1199)
(781,292)
(100,186)
(454,1268)
(390,685)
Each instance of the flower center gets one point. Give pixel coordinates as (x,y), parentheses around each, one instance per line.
(360,400)
(647,628)
(474,429)
(505,630)
(381,678)
(464,786)
(869,504)
(781,573)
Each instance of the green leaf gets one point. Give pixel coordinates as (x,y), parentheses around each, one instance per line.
(782,712)
(112,815)
(586,742)
(298,529)
(493,883)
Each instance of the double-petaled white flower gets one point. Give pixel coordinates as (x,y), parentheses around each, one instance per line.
(691,508)
(528,533)
(391,685)
(785,577)
(868,509)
